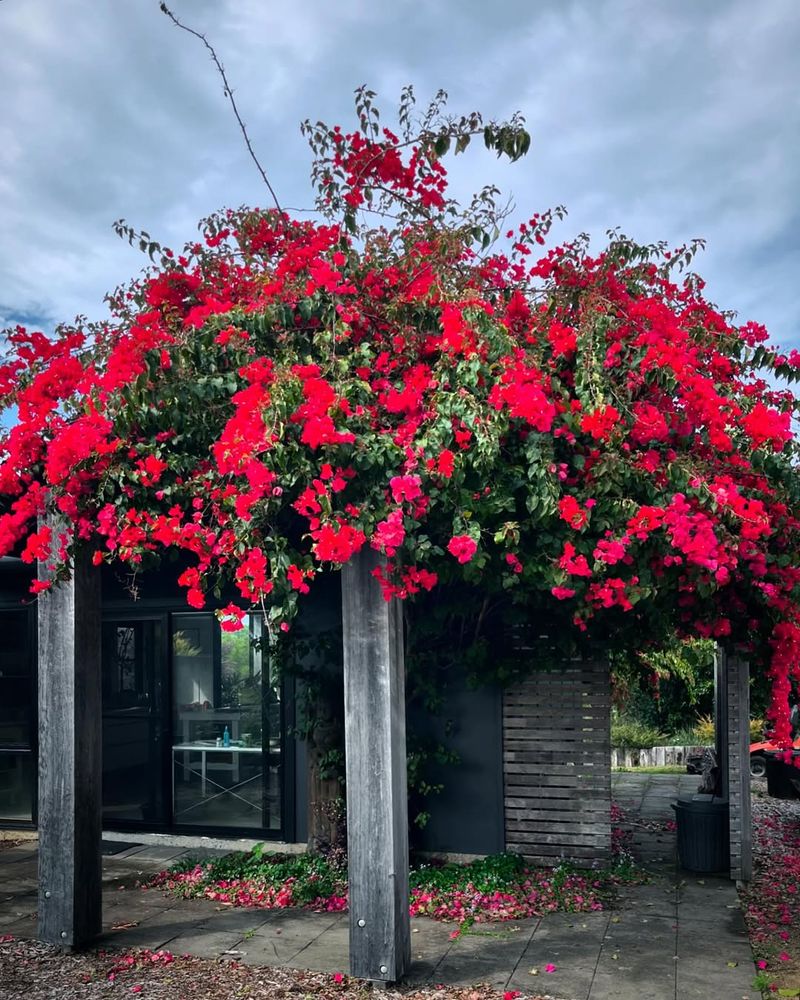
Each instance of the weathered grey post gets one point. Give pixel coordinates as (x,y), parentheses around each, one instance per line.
(721,722)
(377,798)
(732,736)
(70,867)
(738,770)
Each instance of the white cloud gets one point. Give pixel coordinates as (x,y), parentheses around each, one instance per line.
(671,120)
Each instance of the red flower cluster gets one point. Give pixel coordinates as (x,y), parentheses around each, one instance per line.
(586,429)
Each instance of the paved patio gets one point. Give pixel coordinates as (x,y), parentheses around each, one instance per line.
(680,936)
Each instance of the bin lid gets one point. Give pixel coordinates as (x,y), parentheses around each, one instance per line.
(702,803)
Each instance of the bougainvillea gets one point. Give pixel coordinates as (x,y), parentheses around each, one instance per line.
(581,430)
(498,887)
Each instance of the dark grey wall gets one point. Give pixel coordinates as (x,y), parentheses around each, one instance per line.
(15,581)
(467,817)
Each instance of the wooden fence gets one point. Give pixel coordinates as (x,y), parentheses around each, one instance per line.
(557,764)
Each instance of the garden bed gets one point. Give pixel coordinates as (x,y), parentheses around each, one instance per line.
(499,887)
(772,900)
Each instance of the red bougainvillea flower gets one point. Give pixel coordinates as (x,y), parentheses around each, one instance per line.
(283,392)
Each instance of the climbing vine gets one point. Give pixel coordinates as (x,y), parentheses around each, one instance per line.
(578,430)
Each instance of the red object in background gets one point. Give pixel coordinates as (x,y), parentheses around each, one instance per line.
(758,762)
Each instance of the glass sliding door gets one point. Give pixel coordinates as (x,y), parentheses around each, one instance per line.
(17,717)
(135,723)
(225,768)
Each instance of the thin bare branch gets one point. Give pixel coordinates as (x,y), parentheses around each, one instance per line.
(228,93)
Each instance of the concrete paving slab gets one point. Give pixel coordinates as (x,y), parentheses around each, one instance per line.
(423,971)
(206,940)
(640,952)
(657,898)
(154,931)
(482,958)
(566,983)
(572,945)
(20,926)
(14,888)
(13,855)
(732,984)
(152,853)
(430,944)
(21,907)
(623,954)
(300,923)
(328,952)
(278,942)
(640,984)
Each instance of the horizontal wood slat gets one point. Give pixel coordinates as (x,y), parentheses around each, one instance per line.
(516,807)
(520,797)
(556,764)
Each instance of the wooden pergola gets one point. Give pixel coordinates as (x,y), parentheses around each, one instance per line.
(70,766)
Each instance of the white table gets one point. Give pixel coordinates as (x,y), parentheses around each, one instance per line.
(205,748)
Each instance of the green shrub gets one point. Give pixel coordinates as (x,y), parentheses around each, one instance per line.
(704,730)
(685,737)
(628,734)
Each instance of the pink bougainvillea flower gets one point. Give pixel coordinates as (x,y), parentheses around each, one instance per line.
(550,967)
(405,488)
(462,547)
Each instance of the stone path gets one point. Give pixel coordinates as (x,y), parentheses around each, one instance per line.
(679,937)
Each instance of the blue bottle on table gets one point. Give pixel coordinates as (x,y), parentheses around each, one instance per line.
(226,738)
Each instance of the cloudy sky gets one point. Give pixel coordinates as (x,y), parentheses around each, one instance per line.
(670,120)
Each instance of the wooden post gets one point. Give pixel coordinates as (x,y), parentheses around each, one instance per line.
(721,721)
(738,768)
(70,776)
(377,797)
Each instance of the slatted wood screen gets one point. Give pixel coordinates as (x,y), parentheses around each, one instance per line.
(557,764)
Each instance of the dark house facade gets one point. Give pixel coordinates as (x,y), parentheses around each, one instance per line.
(200,732)
(197,731)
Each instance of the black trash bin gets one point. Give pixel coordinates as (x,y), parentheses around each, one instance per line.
(703,834)
(780,775)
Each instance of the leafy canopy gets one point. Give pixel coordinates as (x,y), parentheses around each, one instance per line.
(580,430)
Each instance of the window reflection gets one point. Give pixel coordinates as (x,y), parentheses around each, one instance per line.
(225,767)
(132,721)
(17,708)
